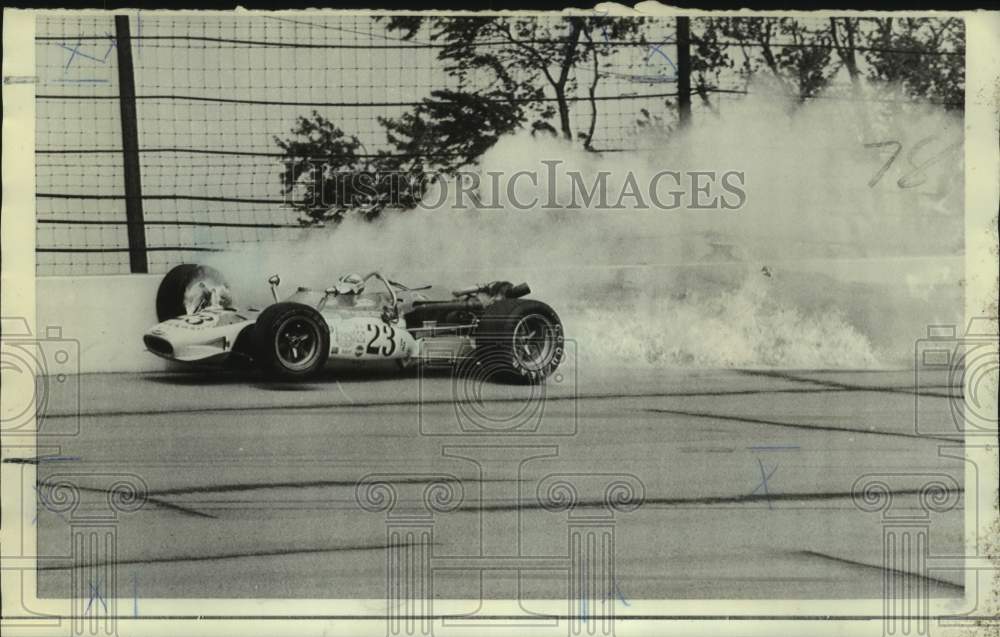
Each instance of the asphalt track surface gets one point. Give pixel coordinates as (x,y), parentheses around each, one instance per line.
(745,479)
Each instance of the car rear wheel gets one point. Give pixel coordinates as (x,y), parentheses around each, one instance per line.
(519,340)
(291,340)
(184,288)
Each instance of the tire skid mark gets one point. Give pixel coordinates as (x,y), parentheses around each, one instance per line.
(792,425)
(703,500)
(151,499)
(817,387)
(156,496)
(304,484)
(36,461)
(229,556)
(833,384)
(438,402)
(651,502)
(882,569)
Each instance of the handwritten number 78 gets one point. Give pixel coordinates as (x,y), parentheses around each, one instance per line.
(918,175)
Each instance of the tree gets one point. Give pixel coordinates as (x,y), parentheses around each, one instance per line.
(449,130)
(527,58)
(525,72)
(844,33)
(924,56)
(529,71)
(329,173)
(796,57)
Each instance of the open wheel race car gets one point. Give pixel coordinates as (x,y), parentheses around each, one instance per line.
(490,326)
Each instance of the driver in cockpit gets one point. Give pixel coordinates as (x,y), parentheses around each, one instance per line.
(349,288)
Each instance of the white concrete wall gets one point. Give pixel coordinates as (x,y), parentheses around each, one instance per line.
(105,315)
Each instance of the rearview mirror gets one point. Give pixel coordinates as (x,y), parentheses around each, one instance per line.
(274,280)
(327,293)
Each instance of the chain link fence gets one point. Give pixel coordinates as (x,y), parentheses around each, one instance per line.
(213,93)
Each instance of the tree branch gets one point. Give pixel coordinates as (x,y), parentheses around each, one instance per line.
(593,92)
(504,30)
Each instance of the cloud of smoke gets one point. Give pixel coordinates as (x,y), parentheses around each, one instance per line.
(847,246)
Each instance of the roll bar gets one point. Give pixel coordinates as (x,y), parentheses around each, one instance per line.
(388,286)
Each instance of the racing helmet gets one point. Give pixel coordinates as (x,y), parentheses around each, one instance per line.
(350,284)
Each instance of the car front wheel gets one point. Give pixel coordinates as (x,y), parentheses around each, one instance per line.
(292,340)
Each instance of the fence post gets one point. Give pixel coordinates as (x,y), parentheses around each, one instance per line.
(130,148)
(684,69)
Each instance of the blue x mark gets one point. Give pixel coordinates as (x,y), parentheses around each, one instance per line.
(657,49)
(584,593)
(75,51)
(621,596)
(95,592)
(764,476)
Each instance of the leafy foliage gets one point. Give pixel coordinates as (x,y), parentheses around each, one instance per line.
(924,55)
(328,173)
(527,61)
(451,129)
(524,72)
(921,55)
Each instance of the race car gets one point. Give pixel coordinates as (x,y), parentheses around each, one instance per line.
(360,318)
